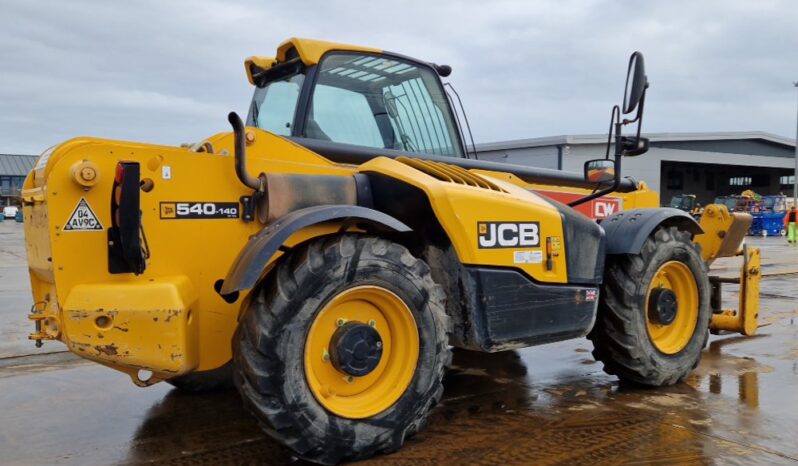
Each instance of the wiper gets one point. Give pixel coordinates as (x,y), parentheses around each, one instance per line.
(390,106)
(407,142)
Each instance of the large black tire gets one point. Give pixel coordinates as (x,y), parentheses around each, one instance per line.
(213,380)
(269,347)
(620,337)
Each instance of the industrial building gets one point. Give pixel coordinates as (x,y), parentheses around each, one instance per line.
(704,164)
(13,170)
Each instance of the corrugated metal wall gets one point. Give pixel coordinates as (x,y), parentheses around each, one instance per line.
(16,165)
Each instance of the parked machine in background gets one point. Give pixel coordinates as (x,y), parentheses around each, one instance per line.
(767,212)
(327,255)
(769,221)
(687,203)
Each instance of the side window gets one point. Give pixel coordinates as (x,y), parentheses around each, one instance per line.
(380,101)
(274,105)
(417,119)
(342,115)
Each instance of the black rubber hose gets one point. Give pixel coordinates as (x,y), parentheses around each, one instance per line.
(241,153)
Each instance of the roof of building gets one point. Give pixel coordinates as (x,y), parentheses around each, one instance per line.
(16,165)
(577,139)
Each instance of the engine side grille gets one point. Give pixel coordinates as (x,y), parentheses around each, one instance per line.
(450,173)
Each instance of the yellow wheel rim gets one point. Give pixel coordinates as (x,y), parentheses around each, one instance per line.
(361,397)
(674,337)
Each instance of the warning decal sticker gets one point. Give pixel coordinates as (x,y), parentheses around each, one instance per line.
(83,219)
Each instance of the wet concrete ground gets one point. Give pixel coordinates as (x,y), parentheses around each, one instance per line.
(546,405)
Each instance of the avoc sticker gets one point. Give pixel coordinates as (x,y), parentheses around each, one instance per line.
(83,219)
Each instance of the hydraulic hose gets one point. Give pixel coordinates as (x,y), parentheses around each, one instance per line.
(241,153)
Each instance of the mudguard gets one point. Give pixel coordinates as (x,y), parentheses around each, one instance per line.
(257,253)
(627,231)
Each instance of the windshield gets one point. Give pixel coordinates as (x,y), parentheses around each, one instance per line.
(382,102)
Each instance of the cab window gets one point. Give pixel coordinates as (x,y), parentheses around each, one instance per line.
(381,102)
(274,104)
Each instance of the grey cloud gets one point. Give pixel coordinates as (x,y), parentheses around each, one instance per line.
(167,71)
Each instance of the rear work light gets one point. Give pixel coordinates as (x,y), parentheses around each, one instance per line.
(127,250)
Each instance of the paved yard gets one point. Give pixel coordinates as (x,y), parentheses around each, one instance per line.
(545,405)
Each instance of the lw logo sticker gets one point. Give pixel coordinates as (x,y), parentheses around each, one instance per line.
(83,219)
(508,234)
(603,209)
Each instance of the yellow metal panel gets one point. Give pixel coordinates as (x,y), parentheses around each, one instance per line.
(202,249)
(642,197)
(311,51)
(263,63)
(140,324)
(460,207)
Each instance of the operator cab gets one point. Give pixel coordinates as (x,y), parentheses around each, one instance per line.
(351,104)
(336,99)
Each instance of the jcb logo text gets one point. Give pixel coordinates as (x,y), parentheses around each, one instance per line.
(508,234)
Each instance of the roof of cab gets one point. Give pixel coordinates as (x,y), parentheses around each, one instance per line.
(310,52)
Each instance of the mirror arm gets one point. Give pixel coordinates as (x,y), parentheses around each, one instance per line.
(615,115)
(615,120)
(639,117)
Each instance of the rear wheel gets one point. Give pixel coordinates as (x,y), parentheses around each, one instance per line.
(342,351)
(654,311)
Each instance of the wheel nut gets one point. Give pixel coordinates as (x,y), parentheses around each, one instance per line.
(325,356)
(350,379)
(340,322)
(372,323)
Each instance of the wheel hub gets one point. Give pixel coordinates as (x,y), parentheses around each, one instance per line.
(395,357)
(662,306)
(355,349)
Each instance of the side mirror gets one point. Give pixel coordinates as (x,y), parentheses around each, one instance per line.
(600,170)
(636,83)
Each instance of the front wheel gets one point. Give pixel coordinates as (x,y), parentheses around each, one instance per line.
(654,311)
(342,351)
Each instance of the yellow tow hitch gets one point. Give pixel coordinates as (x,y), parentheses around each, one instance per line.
(37,315)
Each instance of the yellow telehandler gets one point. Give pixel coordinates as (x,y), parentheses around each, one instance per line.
(327,255)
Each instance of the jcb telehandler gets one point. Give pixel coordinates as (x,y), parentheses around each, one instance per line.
(327,255)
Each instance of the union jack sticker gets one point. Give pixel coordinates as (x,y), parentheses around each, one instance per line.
(591,295)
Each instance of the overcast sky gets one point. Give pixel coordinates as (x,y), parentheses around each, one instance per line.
(169,71)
